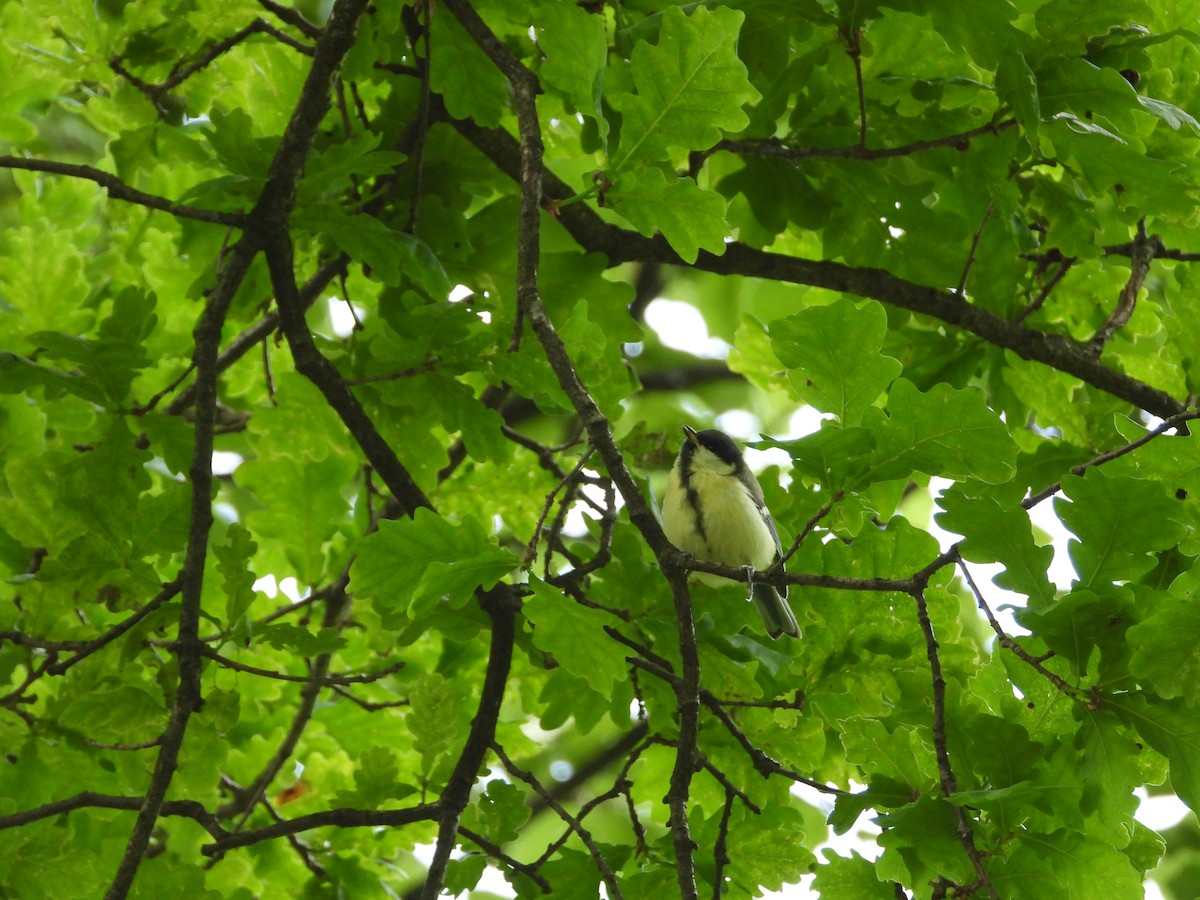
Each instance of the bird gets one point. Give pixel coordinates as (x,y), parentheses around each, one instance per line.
(713,508)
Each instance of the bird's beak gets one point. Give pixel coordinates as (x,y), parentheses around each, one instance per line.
(692,435)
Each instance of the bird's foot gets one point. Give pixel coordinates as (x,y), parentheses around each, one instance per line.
(748,574)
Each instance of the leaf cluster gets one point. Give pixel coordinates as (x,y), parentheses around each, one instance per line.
(336,399)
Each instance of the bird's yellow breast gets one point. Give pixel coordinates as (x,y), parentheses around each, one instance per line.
(731,530)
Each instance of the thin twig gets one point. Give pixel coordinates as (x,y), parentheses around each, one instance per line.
(322,681)
(602,866)
(531,546)
(813,520)
(1007,642)
(949,784)
(960,291)
(168,592)
(1064,266)
(777,149)
(1168,424)
(853,42)
(292,17)
(498,854)
(119,190)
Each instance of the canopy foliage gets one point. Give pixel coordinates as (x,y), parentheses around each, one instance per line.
(397,259)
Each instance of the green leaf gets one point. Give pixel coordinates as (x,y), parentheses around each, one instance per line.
(1017,85)
(394,257)
(299,640)
(464,874)
(245,156)
(1065,864)
(770,855)
(125,714)
(574,635)
(237,577)
(339,165)
(905,753)
(834,456)
(377,779)
(1107,161)
(1173,729)
(882,792)
(925,835)
(302,502)
(690,86)
(982,27)
(1118,523)
(994,534)
(1078,623)
(471,85)
(433,721)
(410,564)
(691,219)
(834,354)
(576,51)
(20,375)
(852,876)
(499,813)
(1166,644)
(942,432)
(1174,116)
(114,358)
(1110,769)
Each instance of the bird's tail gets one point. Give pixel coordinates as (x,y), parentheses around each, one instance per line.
(774,611)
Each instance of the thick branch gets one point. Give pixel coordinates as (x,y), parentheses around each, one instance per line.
(317,368)
(597,236)
(274,205)
(501,604)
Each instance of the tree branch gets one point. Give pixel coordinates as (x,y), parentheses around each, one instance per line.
(119,190)
(343,817)
(501,604)
(777,149)
(620,246)
(1007,642)
(274,206)
(1144,249)
(949,783)
(188,809)
(606,872)
(529,174)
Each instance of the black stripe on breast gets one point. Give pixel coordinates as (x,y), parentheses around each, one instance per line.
(693,499)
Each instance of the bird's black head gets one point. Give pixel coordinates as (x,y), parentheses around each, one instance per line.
(718,443)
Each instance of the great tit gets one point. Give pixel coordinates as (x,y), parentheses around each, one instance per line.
(713,509)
